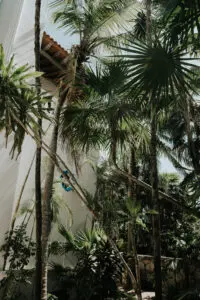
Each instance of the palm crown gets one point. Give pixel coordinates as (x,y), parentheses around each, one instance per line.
(94,21)
(18,100)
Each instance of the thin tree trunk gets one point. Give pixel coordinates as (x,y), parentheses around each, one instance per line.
(155,204)
(113,245)
(38,192)
(132,226)
(154,176)
(46,208)
(137,265)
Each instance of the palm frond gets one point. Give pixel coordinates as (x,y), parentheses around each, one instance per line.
(93,20)
(157,69)
(168,152)
(66,234)
(59,248)
(181,19)
(18,100)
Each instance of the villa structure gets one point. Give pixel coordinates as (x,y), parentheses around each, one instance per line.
(17,37)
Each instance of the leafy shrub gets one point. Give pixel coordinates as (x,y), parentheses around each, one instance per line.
(18,248)
(97,270)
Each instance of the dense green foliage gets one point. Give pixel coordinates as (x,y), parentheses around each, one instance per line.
(97,270)
(21,249)
(137,103)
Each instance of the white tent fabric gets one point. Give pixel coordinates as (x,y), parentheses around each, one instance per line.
(8,178)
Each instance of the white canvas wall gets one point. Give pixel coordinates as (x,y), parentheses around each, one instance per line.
(10,12)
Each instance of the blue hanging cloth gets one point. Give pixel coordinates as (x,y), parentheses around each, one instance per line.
(66,187)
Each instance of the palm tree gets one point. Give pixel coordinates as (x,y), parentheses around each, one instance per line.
(154,172)
(18,101)
(38,193)
(18,112)
(156,71)
(88,20)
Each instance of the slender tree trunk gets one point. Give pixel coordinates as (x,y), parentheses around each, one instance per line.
(46,208)
(132,225)
(154,176)
(38,192)
(155,204)
(137,265)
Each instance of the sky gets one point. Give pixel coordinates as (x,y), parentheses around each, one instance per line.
(60,35)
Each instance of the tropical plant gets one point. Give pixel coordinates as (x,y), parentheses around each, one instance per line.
(15,215)
(97,270)
(21,249)
(19,101)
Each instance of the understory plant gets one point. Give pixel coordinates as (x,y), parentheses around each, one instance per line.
(97,272)
(21,249)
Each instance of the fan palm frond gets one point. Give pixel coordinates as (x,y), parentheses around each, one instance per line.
(158,69)
(59,248)
(81,241)
(67,235)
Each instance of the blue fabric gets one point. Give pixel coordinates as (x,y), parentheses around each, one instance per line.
(66,187)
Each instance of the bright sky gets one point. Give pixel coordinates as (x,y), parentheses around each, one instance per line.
(61,37)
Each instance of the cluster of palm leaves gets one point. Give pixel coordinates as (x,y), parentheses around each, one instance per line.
(18,101)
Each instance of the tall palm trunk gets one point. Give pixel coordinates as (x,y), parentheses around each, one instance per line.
(155,204)
(132,226)
(46,208)
(38,193)
(154,176)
